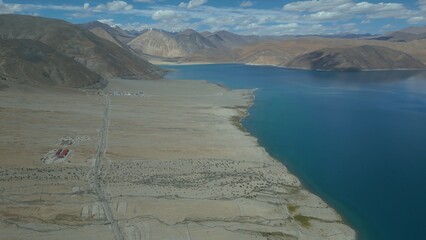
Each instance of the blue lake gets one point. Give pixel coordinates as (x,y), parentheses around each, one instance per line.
(357,139)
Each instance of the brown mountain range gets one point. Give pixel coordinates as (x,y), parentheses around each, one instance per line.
(364,57)
(222,46)
(27,61)
(99,55)
(113,34)
(281,53)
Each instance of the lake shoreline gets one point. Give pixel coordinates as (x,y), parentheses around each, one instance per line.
(174,162)
(320,125)
(165,63)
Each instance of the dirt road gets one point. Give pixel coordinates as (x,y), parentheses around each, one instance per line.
(100,152)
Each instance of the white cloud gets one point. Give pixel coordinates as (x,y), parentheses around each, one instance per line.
(144,1)
(108,21)
(326,10)
(246,4)
(119,5)
(417,19)
(192,4)
(9,8)
(324,16)
(387,26)
(300,17)
(114,6)
(162,15)
(183,5)
(196,3)
(314,5)
(422,5)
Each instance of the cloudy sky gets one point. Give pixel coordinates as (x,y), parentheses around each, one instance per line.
(265,17)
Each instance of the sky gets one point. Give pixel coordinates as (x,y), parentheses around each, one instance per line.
(260,17)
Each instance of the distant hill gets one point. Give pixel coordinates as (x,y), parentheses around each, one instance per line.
(225,39)
(115,35)
(158,43)
(32,62)
(399,36)
(404,35)
(279,53)
(189,45)
(192,41)
(414,30)
(224,46)
(355,59)
(346,35)
(99,55)
(165,44)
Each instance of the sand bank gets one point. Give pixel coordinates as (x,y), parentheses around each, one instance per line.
(175,166)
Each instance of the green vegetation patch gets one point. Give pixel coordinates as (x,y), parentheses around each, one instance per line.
(303,220)
(292,208)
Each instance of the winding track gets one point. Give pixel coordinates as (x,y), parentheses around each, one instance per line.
(100,152)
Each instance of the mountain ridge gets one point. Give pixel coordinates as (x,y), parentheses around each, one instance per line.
(365,57)
(26,61)
(116,34)
(99,55)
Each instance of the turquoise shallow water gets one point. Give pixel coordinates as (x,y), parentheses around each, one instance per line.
(356,139)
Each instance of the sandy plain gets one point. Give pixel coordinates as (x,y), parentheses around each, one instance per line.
(171,164)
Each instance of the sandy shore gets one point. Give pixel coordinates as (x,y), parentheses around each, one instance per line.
(173,164)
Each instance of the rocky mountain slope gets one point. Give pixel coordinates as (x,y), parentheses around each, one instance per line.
(31,62)
(165,44)
(280,53)
(227,40)
(99,55)
(400,36)
(276,52)
(115,35)
(404,35)
(355,59)
(157,43)
(223,46)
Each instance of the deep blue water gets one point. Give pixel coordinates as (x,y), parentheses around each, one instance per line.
(356,139)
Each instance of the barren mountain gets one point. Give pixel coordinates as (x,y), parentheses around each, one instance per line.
(192,41)
(158,43)
(279,53)
(97,54)
(355,59)
(115,35)
(404,35)
(225,39)
(32,62)
(188,45)
(223,46)
(400,36)
(414,30)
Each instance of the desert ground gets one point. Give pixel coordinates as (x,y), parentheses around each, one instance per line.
(147,160)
